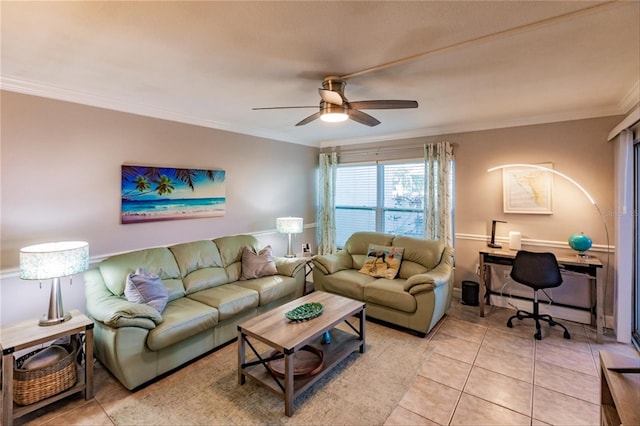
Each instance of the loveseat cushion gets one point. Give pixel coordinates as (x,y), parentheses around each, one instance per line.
(228,299)
(159,261)
(382,261)
(358,245)
(349,283)
(270,288)
(182,318)
(419,256)
(390,293)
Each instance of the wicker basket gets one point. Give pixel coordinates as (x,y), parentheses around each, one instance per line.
(30,386)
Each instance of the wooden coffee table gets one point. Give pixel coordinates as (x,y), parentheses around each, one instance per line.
(287,337)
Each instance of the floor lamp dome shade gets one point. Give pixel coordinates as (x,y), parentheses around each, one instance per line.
(289,225)
(52,261)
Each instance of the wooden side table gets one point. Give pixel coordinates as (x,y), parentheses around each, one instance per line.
(26,334)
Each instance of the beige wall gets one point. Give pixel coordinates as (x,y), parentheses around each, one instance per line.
(60,180)
(578,149)
(61,171)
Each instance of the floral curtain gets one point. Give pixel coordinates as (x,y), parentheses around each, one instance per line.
(326,203)
(438,189)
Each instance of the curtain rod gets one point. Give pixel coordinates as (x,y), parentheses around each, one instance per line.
(380,151)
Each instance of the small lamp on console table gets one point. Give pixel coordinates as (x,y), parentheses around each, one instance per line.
(54,260)
(289,225)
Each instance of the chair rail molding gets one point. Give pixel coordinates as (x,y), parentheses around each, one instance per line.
(533,242)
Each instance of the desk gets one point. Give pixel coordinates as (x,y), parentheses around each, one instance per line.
(590,266)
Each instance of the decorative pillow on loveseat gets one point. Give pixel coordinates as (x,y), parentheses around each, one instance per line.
(257,265)
(143,287)
(382,261)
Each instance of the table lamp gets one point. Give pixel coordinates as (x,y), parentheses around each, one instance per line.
(54,260)
(289,225)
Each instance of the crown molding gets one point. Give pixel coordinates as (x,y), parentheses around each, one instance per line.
(99,101)
(631,99)
(481,126)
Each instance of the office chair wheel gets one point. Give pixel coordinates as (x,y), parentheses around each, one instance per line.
(567,335)
(538,336)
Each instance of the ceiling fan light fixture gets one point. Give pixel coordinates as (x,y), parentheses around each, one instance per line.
(330,113)
(334,117)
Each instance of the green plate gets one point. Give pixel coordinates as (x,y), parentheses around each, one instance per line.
(305,312)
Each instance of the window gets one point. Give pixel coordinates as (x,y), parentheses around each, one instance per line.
(382,197)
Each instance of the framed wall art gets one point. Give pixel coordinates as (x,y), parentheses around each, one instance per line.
(527,190)
(162,193)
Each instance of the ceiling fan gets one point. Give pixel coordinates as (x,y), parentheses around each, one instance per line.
(335,107)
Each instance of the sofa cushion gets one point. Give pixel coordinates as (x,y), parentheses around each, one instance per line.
(182,318)
(228,299)
(348,283)
(270,288)
(390,293)
(143,287)
(156,260)
(382,261)
(203,279)
(196,255)
(256,265)
(231,249)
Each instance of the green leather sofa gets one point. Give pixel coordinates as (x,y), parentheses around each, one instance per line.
(416,299)
(207,300)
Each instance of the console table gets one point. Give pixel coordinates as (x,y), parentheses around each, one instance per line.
(591,267)
(26,334)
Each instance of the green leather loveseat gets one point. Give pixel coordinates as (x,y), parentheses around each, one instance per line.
(416,298)
(207,299)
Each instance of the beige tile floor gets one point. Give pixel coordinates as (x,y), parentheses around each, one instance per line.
(484,373)
(480,373)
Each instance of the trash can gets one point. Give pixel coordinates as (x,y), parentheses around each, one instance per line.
(470,291)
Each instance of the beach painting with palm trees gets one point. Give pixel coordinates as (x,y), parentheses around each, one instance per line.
(162,193)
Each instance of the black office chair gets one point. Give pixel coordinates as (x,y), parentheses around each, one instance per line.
(538,271)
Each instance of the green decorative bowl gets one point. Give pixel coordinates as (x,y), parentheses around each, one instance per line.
(305,312)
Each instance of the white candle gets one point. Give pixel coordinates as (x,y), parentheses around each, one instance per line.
(514,240)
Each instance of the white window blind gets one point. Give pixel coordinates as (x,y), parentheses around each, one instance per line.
(383,197)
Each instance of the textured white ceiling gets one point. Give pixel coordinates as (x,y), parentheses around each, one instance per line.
(210,63)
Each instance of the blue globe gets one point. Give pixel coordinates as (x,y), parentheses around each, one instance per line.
(579,242)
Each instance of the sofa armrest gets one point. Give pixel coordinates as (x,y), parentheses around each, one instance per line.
(289,266)
(438,276)
(332,263)
(116,311)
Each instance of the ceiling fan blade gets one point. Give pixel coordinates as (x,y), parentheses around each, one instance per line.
(330,96)
(363,118)
(309,119)
(286,107)
(383,104)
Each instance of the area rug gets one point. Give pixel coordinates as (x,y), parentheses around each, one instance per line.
(362,390)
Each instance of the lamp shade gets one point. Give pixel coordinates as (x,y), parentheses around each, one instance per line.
(53,260)
(289,225)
